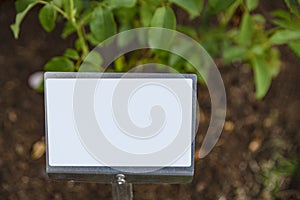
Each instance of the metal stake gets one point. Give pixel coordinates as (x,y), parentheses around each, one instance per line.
(121,190)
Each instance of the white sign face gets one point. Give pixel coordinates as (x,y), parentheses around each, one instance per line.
(142,122)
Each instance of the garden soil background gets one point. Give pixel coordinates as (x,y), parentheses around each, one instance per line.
(257,137)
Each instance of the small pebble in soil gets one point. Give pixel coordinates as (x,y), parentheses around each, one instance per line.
(222,198)
(229,126)
(23,165)
(200,186)
(35,79)
(12,115)
(254,166)
(255,145)
(271,119)
(38,149)
(25,179)
(19,149)
(57,196)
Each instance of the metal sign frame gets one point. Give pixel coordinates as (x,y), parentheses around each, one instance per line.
(108,174)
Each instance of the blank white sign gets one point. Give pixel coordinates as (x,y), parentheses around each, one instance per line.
(65,147)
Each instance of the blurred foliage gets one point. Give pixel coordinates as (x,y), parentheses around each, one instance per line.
(277,173)
(231,30)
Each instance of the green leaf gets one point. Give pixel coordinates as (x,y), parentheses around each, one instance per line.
(145,14)
(124,40)
(88,67)
(274,61)
(59,64)
(153,3)
(295,47)
(188,30)
(68,29)
(258,50)
(47,17)
(91,39)
(291,24)
(258,18)
(284,36)
(233,53)
(77,6)
(92,63)
(120,63)
(220,5)
(19,18)
(193,7)
(78,44)
(175,60)
(164,17)
(293,6)
(252,4)
(286,20)
(125,15)
(21,5)
(185,52)
(85,16)
(282,14)
(246,30)
(262,76)
(58,3)
(94,58)
(102,24)
(71,53)
(213,3)
(121,3)
(66,7)
(180,48)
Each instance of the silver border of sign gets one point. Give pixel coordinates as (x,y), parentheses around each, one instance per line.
(107,174)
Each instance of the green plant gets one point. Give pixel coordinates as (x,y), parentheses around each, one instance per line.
(276,174)
(230,30)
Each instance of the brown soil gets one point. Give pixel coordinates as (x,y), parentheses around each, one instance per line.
(257,138)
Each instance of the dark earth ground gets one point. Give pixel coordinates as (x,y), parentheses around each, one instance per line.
(255,158)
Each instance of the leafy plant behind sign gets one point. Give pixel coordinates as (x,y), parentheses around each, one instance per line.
(230,30)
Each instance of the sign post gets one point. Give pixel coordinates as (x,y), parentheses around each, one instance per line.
(120,128)
(121,190)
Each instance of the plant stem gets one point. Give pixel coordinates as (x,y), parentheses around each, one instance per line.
(79,30)
(86,18)
(71,17)
(85,50)
(59,10)
(71,11)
